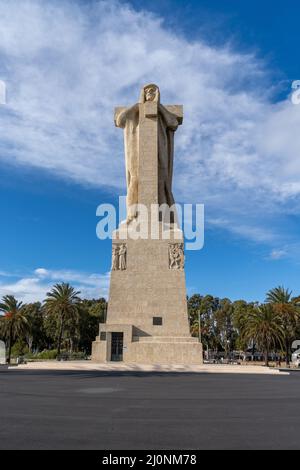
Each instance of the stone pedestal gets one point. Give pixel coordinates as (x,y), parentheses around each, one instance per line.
(147,303)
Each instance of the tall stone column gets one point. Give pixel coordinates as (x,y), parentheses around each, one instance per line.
(147,305)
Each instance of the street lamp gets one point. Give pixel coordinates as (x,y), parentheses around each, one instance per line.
(199,326)
(228,348)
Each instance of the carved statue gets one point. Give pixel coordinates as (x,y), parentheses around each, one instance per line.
(128,119)
(181,255)
(176,256)
(115,258)
(122,257)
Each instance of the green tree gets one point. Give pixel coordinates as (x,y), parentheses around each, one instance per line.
(288,312)
(206,306)
(13,322)
(91,313)
(62,302)
(224,320)
(264,327)
(35,336)
(194,308)
(241,312)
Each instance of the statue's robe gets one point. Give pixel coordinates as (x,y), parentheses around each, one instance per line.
(167,124)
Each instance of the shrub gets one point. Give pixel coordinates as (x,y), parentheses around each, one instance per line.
(19,349)
(77,355)
(46,354)
(52,354)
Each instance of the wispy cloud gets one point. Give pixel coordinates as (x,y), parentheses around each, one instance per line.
(251,232)
(5,274)
(67,64)
(34,286)
(277,254)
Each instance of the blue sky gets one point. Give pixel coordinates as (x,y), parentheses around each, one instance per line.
(230,63)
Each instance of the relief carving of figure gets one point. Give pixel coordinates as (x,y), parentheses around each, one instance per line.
(176,256)
(115,258)
(122,257)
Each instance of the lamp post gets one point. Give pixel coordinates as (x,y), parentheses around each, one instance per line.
(228,349)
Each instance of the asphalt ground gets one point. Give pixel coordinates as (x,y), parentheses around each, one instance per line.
(145,410)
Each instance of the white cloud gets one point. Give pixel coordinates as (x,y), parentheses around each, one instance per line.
(277,254)
(41,272)
(5,273)
(67,65)
(34,286)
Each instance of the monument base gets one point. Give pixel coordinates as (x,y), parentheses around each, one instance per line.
(147,317)
(147,350)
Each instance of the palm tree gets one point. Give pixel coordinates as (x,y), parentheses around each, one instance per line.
(264,327)
(279,295)
(63,302)
(13,322)
(241,312)
(35,334)
(288,311)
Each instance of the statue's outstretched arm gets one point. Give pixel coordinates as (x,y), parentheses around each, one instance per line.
(125,114)
(169,118)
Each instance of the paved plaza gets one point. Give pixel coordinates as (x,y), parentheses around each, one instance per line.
(132,409)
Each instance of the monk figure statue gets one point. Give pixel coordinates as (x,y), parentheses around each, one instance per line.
(167,123)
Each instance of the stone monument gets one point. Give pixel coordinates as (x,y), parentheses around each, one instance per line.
(147,319)
(2,353)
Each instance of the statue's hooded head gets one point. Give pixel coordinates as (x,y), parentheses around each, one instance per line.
(150,92)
